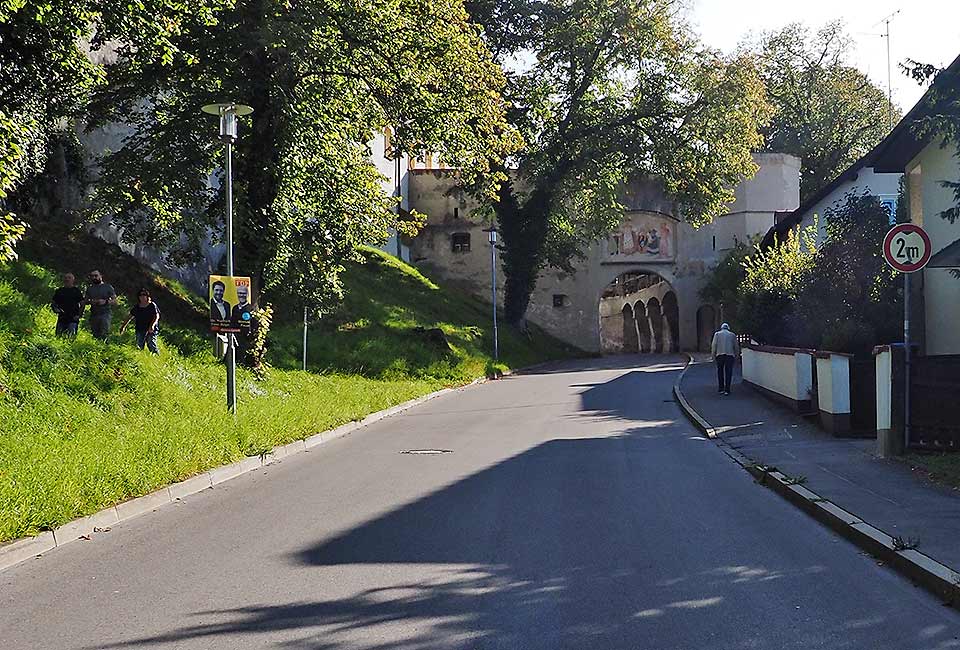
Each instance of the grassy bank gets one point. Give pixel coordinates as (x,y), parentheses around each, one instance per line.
(84,425)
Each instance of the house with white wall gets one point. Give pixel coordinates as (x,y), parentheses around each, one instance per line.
(860,178)
(927,161)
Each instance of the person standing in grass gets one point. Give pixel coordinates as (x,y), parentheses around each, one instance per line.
(68,305)
(146,318)
(101,297)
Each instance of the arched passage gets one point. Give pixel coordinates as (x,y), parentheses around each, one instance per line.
(671,323)
(639,313)
(643,326)
(706,326)
(655,316)
(631,341)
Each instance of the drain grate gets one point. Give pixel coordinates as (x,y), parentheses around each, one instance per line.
(427,452)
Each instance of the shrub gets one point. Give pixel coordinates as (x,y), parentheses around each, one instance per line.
(773,280)
(851,300)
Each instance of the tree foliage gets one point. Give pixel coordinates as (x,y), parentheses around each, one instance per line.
(323,76)
(839,295)
(773,280)
(722,287)
(603,91)
(826,112)
(850,300)
(47,69)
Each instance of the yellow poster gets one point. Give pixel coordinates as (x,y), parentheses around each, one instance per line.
(231,306)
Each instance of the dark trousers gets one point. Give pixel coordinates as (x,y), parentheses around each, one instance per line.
(725,371)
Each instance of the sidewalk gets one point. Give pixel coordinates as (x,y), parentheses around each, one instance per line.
(884,493)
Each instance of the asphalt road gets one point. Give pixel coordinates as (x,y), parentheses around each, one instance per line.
(577,509)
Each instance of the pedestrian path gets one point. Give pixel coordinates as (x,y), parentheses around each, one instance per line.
(886,493)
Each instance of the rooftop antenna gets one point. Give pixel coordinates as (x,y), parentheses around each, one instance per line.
(887,21)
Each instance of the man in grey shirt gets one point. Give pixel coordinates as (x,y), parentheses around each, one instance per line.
(726,349)
(101,297)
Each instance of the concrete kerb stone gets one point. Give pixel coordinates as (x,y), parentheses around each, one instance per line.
(190,486)
(937,578)
(688,410)
(135,507)
(84,527)
(23,549)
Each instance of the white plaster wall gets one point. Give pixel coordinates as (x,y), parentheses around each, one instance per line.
(833,384)
(825,385)
(392,186)
(886,186)
(884,365)
(774,188)
(790,375)
(774,371)
(941,290)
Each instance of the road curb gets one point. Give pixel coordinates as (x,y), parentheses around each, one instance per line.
(937,578)
(19,550)
(688,410)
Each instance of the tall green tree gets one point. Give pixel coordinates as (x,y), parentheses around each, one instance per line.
(47,69)
(603,91)
(323,76)
(826,112)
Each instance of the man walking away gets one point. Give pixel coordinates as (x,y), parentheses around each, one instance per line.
(726,349)
(146,318)
(68,305)
(101,297)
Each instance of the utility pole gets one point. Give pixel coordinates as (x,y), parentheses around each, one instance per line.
(887,21)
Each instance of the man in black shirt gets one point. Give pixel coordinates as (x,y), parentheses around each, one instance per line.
(68,305)
(146,316)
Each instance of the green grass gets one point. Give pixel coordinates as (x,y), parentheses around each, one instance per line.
(942,468)
(84,425)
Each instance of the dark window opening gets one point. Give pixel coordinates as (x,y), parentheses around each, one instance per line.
(714,242)
(456,213)
(559,299)
(461,242)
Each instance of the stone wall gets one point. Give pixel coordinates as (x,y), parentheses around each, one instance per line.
(652,240)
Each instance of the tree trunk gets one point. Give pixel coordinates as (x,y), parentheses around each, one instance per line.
(524,230)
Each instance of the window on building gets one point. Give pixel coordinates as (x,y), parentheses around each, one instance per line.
(559,299)
(456,213)
(461,242)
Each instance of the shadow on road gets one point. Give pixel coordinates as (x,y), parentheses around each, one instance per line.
(574,543)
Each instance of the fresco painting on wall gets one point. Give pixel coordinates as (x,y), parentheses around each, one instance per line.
(643,237)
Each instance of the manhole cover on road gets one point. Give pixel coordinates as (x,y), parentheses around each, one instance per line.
(427,451)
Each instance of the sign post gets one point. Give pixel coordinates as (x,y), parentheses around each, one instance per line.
(907,249)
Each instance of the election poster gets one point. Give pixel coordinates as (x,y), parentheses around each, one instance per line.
(231,306)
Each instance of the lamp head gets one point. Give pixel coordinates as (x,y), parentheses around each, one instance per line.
(228,112)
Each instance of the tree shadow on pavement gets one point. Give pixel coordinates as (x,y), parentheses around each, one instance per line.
(581,543)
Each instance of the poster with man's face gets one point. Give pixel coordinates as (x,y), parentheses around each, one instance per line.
(231,303)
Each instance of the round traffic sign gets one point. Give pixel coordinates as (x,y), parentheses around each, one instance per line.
(907,247)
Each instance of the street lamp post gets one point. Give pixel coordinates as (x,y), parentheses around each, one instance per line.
(492,233)
(228,113)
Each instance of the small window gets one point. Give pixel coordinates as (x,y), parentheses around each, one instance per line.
(559,299)
(456,213)
(714,242)
(461,242)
